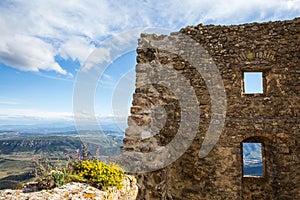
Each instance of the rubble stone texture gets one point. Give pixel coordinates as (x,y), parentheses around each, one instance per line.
(272,118)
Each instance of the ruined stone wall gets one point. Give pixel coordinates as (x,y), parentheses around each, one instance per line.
(272,118)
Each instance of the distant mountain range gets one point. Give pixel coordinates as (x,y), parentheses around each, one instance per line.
(61,127)
(58,145)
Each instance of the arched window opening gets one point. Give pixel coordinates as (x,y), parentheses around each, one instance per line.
(252,159)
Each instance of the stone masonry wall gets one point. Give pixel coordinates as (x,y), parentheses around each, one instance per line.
(272,118)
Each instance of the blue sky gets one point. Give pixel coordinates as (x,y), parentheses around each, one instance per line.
(44,43)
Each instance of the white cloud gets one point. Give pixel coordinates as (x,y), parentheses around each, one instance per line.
(7,114)
(77,48)
(236,11)
(25,52)
(18,116)
(34,32)
(100,55)
(8,103)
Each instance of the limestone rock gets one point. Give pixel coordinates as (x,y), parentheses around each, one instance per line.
(74,191)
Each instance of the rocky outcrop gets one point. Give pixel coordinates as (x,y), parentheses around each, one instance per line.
(74,191)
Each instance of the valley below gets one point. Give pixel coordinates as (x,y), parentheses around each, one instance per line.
(19,150)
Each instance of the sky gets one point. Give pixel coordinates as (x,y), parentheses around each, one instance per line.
(45,44)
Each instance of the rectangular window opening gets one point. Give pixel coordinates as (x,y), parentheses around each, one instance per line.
(253,83)
(252,159)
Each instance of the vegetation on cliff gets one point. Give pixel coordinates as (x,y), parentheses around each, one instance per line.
(80,168)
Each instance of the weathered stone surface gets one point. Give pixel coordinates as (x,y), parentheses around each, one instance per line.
(76,191)
(271,118)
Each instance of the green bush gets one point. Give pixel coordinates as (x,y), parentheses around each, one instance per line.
(58,177)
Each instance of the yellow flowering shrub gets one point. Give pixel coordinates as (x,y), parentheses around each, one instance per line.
(99,174)
(81,168)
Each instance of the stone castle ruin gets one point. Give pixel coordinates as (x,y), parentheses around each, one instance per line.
(270,117)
